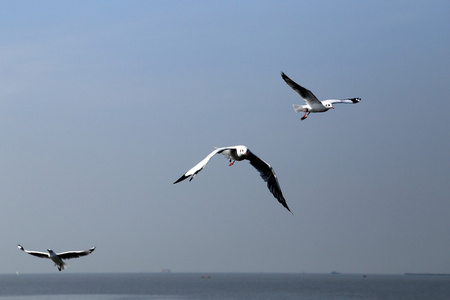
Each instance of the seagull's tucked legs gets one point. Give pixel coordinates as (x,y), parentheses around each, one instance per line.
(305,115)
(231,163)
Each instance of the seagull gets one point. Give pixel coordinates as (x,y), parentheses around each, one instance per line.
(58,257)
(239,153)
(312,103)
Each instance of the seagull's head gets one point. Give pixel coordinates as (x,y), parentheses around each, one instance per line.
(328,105)
(241,151)
(50,251)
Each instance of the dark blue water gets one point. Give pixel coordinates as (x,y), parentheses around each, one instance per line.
(221,286)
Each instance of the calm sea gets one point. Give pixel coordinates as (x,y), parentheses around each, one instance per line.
(221,286)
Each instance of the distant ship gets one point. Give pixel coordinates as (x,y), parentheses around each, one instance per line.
(335,273)
(165,271)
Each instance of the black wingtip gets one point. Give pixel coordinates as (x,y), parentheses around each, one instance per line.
(355,100)
(282,201)
(287,79)
(181,178)
(286,206)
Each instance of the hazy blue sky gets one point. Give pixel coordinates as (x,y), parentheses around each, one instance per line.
(104,104)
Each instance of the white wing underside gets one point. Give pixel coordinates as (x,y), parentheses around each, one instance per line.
(345,101)
(198,167)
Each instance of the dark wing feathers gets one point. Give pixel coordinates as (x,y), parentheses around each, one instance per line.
(38,254)
(354,100)
(74,254)
(183,177)
(268,175)
(34,253)
(304,93)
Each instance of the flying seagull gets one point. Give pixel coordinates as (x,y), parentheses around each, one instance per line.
(239,153)
(312,103)
(58,257)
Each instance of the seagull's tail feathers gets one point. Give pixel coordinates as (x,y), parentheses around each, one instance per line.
(298,108)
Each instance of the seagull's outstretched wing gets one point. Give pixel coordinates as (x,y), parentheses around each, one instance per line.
(74,254)
(347,101)
(35,253)
(268,175)
(198,167)
(304,93)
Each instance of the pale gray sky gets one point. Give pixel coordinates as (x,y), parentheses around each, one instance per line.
(104,104)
